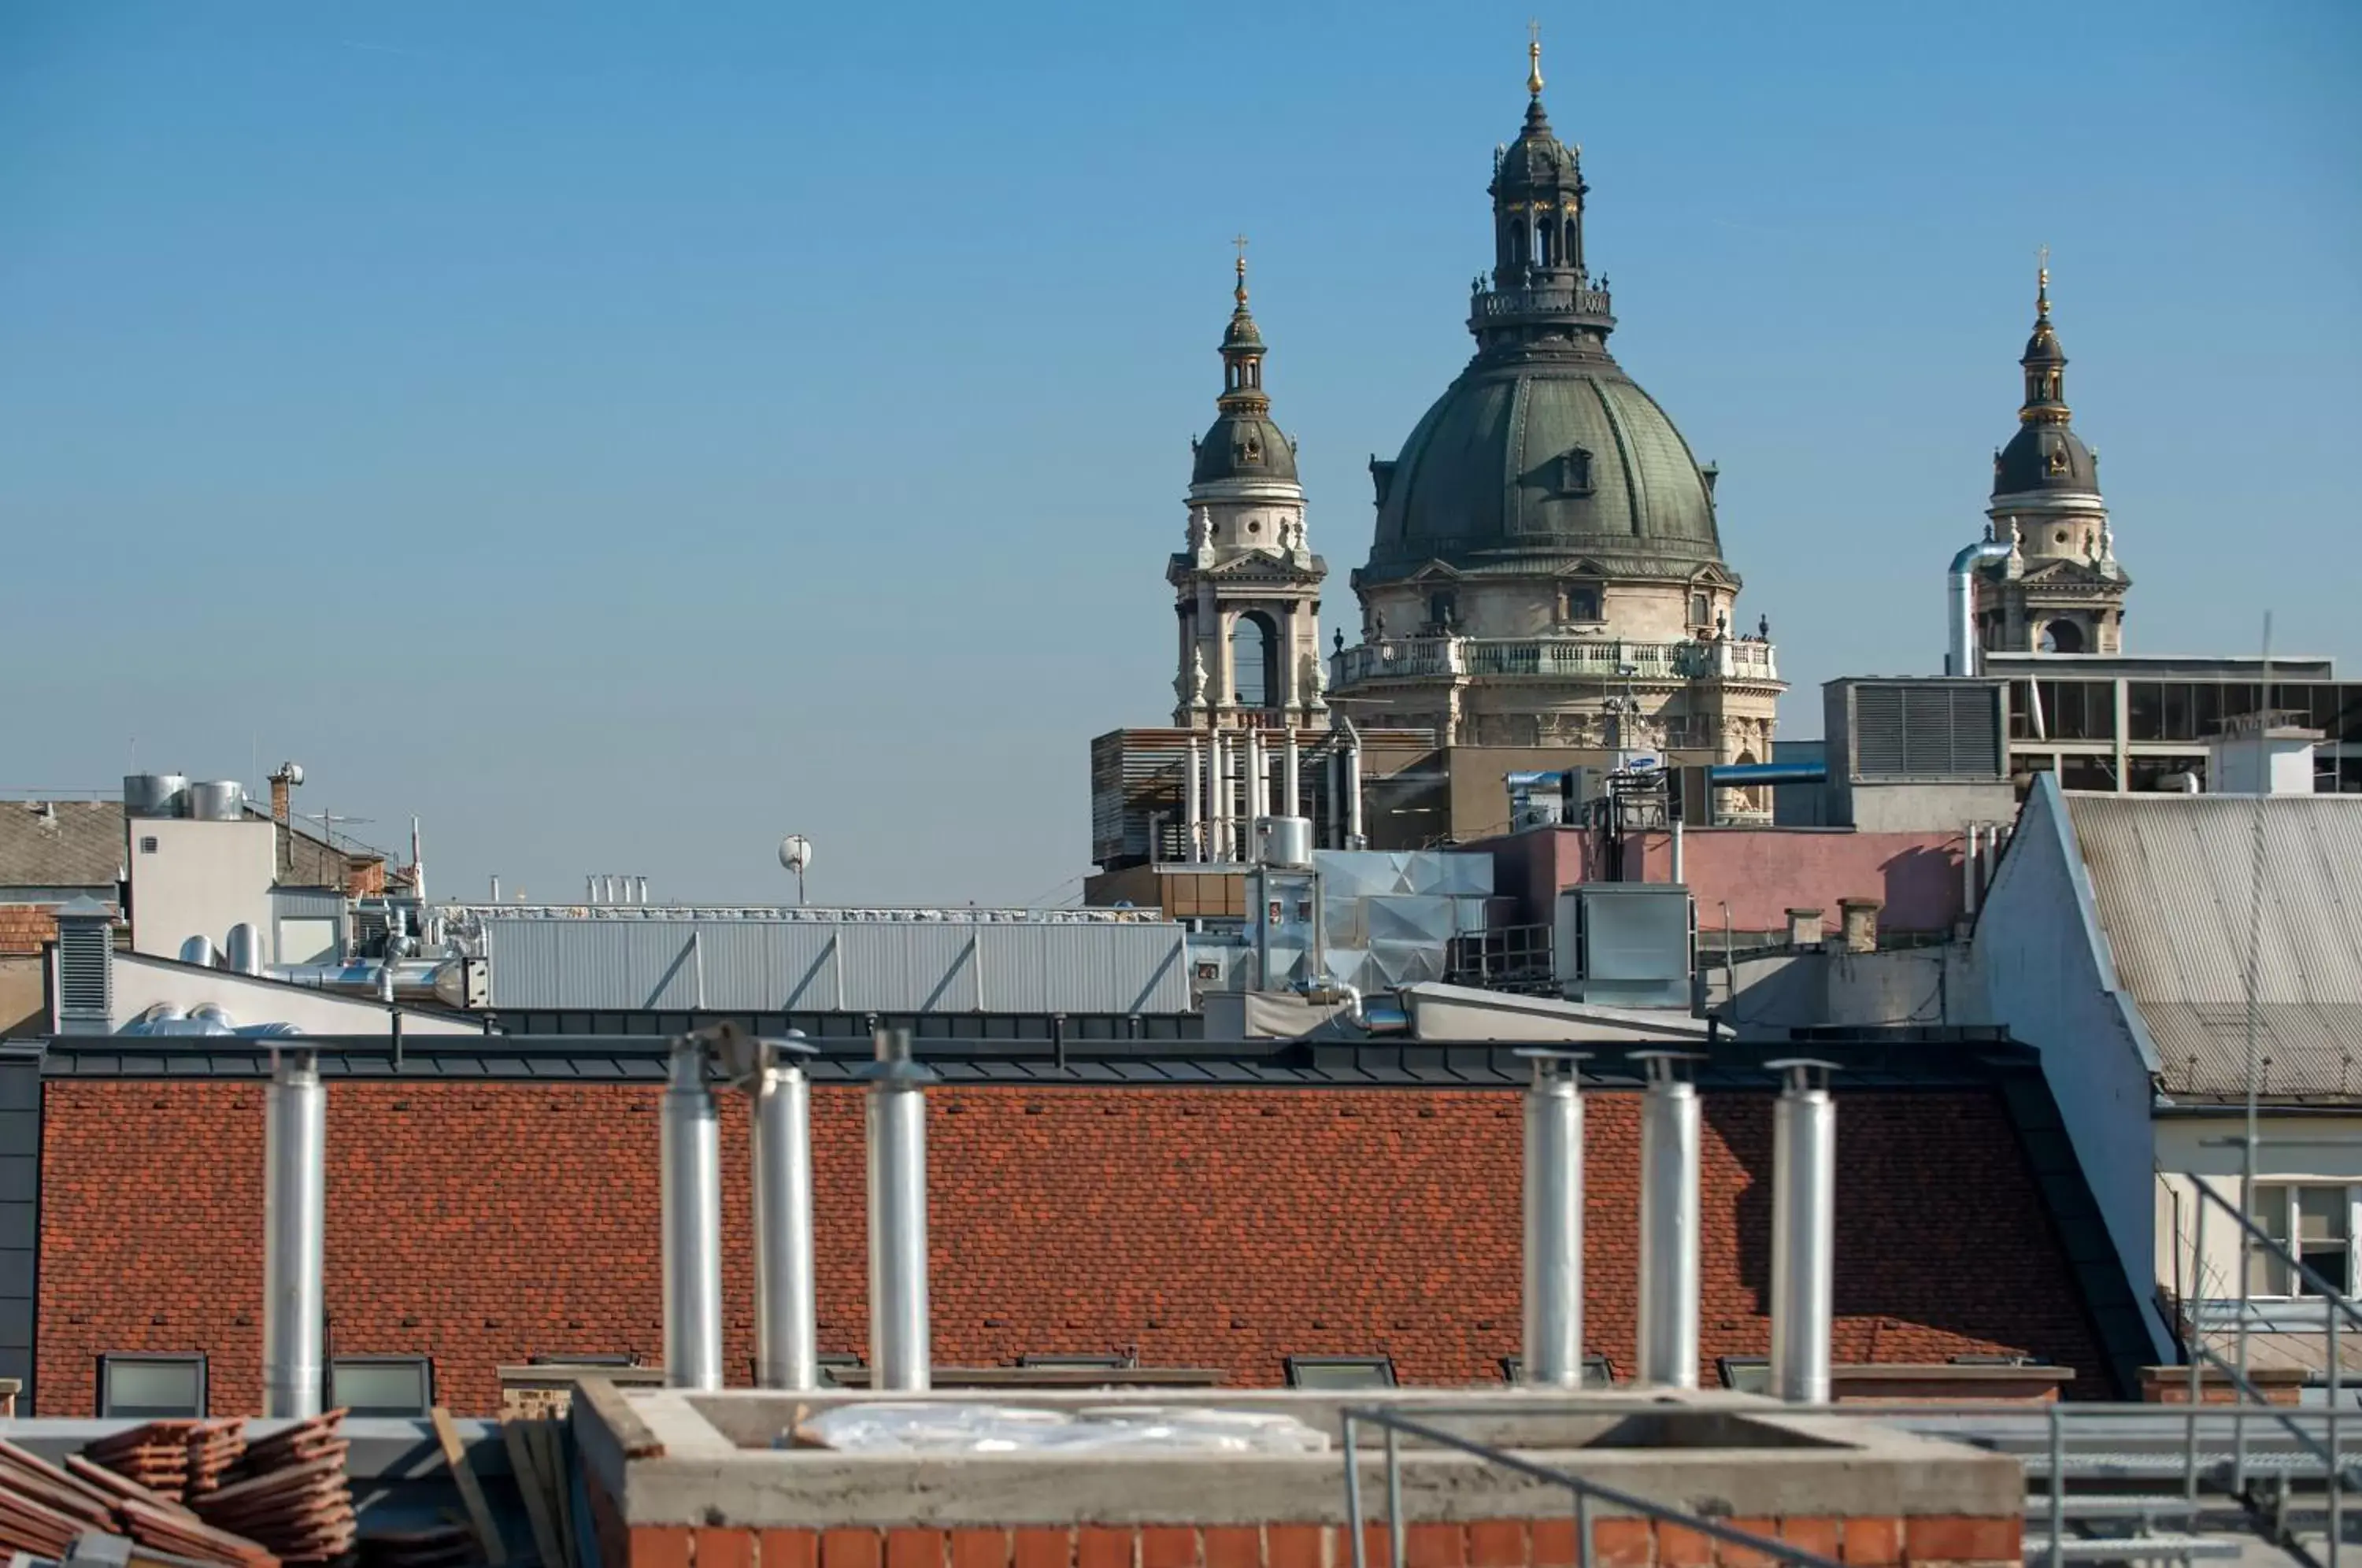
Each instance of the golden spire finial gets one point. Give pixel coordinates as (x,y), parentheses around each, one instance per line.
(1239,293)
(1534,58)
(2042,283)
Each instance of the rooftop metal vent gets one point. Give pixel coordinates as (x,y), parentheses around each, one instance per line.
(1927,730)
(86,968)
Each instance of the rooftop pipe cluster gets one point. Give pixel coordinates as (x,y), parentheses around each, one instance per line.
(770,1073)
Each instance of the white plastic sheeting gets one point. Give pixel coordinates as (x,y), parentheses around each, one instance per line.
(932,1428)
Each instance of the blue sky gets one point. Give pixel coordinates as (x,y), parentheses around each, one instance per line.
(621,434)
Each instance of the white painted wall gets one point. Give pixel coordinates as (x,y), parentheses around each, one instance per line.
(142,982)
(191,878)
(2049,979)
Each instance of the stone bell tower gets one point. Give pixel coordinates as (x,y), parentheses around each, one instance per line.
(1247,588)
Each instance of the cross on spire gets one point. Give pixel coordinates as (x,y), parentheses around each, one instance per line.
(1242,243)
(1534,57)
(2042,282)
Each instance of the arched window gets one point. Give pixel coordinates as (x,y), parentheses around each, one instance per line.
(1701,610)
(1542,248)
(1442,611)
(2062,636)
(1582,601)
(1254,660)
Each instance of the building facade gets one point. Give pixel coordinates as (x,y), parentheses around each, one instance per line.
(1547,569)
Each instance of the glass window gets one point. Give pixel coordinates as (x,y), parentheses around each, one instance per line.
(834,1365)
(382,1385)
(2313,1221)
(1089,1362)
(1747,1374)
(152,1387)
(2098,773)
(2144,710)
(1598,1372)
(1340,1372)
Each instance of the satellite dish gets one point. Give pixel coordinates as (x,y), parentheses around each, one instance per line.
(795,852)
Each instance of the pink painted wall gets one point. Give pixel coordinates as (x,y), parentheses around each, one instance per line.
(1762,872)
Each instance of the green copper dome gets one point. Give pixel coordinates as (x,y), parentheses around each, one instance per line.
(1543,448)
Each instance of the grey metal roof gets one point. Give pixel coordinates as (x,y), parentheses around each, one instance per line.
(2173,877)
(1872,1060)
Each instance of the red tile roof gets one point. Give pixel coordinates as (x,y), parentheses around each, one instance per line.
(1227,1228)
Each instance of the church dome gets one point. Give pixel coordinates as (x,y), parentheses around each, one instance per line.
(1543,456)
(2042,457)
(1244,445)
(1543,447)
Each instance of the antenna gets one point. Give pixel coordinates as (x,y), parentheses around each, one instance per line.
(795,854)
(2254,973)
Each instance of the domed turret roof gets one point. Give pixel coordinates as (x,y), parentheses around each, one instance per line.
(1244,443)
(2046,454)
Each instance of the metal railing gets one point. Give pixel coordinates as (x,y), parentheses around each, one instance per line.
(1584,1495)
(2339,1312)
(2074,1440)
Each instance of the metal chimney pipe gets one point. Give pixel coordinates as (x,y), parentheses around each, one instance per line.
(1961,660)
(198,950)
(245,951)
(787,1347)
(1193,829)
(1291,777)
(692,1181)
(590,890)
(1968,870)
(294,1234)
(1803,1231)
(1669,1221)
(496,887)
(640,894)
(1353,783)
(899,1349)
(1554,1205)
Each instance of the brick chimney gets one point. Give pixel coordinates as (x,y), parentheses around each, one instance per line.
(1859,920)
(283,780)
(1803,928)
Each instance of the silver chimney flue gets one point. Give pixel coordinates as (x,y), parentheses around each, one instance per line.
(1669,1221)
(787,1344)
(198,950)
(294,1221)
(691,1180)
(1803,1231)
(1960,598)
(1554,1205)
(899,1349)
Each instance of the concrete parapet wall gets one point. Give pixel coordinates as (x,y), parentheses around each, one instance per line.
(690,1481)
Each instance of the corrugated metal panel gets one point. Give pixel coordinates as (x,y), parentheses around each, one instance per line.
(2173,877)
(774,966)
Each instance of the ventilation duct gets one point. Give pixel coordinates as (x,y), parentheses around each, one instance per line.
(691,1198)
(85,968)
(294,1164)
(1803,1231)
(1553,1215)
(1668,1222)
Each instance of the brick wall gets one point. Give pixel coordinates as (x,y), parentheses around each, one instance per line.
(25,928)
(485,1223)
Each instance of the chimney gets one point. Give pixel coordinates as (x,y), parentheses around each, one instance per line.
(1803,1231)
(787,1353)
(1804,928)
(691,1196)
(901,1354)
(283,814)
(294,1198)
(1858,920)
(1669,1221)
(1553,1206)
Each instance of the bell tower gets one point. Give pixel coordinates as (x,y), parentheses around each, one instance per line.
(1247,586)
(2061,590)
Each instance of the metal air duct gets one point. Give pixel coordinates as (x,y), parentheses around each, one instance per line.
(1553,1206)
(1961,596)
(691,1196)
(198,950)
(1803,1231)
(295,1179)
(1669,1221)
(899,1349)
(216,800)
(246,948)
